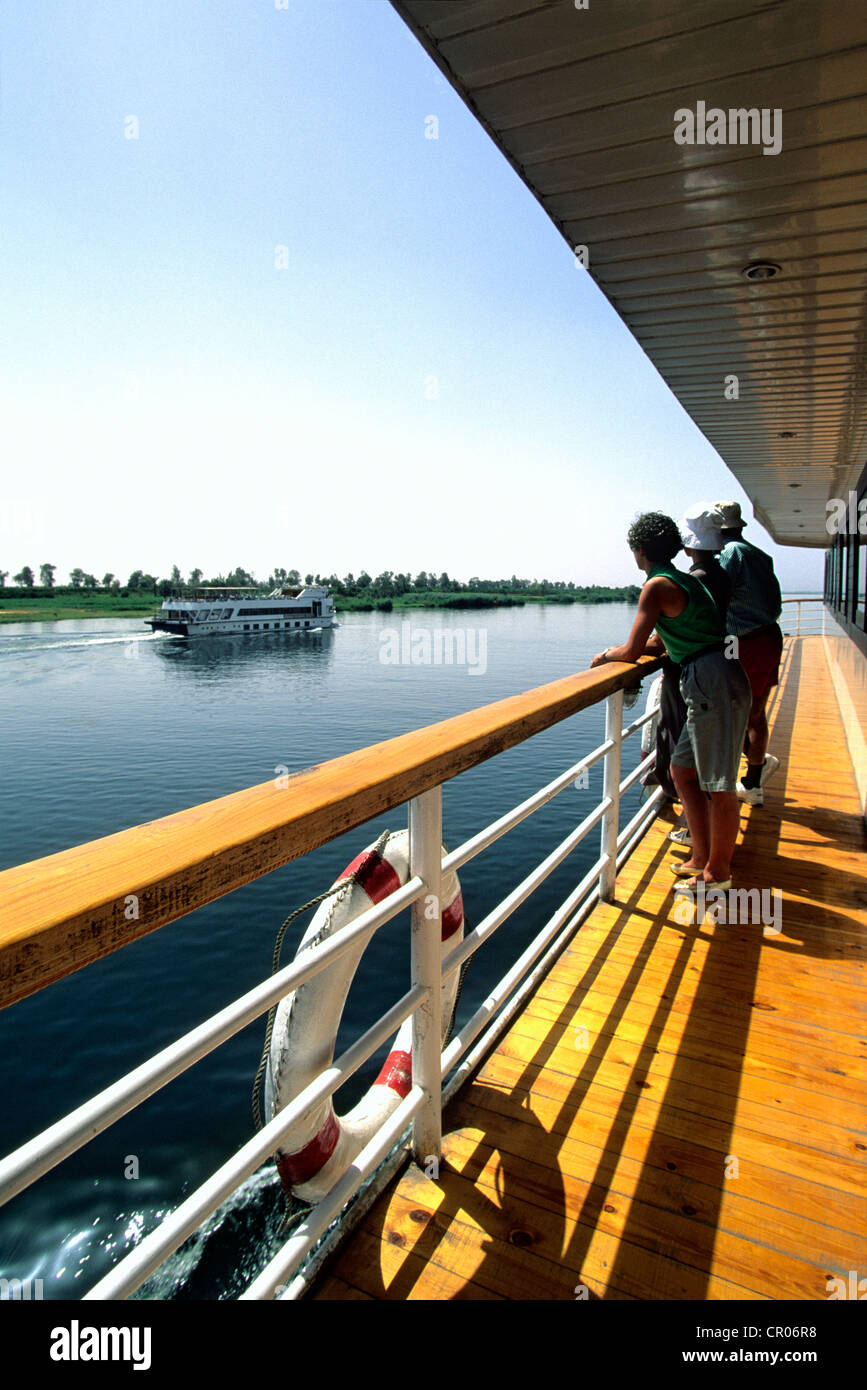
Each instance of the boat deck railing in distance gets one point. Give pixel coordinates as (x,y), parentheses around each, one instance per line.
(803,617)
(64,911)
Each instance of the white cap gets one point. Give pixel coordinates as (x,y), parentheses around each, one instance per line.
(700,528)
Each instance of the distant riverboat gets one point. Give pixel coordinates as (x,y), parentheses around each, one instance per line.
(205,612)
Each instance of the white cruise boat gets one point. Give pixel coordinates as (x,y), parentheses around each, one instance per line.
(204,612)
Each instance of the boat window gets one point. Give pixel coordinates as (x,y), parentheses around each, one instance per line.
(255,627)
(246,627)
(203,615)
(846,575)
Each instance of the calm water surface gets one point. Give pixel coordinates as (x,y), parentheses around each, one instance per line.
(107,727)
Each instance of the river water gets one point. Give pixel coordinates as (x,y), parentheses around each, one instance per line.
(107,727)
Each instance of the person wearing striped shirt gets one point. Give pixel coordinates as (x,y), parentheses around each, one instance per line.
(754,608)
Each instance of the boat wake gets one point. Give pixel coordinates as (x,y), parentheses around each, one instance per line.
(63,644)
(227,1252)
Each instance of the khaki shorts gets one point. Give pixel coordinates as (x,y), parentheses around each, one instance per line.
(717,696)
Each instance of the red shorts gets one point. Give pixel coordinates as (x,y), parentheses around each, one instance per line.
(759,653)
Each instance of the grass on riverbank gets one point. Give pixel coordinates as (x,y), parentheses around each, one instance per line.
(428,598)
(440,598)
(32,607)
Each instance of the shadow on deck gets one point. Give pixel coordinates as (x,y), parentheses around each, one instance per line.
(679,1111)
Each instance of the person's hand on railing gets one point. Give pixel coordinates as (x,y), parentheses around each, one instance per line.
(653,647)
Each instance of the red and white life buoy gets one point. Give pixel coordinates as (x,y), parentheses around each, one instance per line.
(322,1146)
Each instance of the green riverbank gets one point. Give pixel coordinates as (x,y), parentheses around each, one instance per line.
(34,608)
(29,609)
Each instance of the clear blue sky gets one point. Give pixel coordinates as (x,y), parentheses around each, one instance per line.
(421,378)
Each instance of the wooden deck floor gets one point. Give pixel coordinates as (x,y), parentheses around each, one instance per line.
(679,1113)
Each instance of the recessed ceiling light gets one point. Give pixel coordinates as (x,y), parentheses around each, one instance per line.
(760,270)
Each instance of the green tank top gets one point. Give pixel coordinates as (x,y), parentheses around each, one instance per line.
(698,626)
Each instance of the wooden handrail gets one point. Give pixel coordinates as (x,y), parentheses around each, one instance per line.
(59,913)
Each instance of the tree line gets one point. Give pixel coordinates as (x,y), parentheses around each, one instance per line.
(388,584)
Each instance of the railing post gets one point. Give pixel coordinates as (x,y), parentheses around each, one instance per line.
(611,788)
(425,859)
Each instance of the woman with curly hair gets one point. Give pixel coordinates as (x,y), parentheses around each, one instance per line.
(714,687)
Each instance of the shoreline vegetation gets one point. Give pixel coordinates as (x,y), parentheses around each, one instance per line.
(28,602)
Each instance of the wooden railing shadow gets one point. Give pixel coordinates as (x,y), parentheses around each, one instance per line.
(547,1153)
(560,1216)
(817,898)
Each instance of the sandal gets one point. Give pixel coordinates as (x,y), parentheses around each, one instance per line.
(691,884)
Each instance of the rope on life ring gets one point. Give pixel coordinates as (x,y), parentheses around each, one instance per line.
(320,1148)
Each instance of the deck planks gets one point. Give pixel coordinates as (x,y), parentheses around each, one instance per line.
(678,1112)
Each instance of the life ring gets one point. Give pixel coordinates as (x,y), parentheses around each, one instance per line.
(320,1148)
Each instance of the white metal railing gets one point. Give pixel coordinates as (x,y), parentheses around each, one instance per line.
(422,1107)
(803,617)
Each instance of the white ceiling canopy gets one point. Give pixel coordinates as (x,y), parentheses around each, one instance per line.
(710,155)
